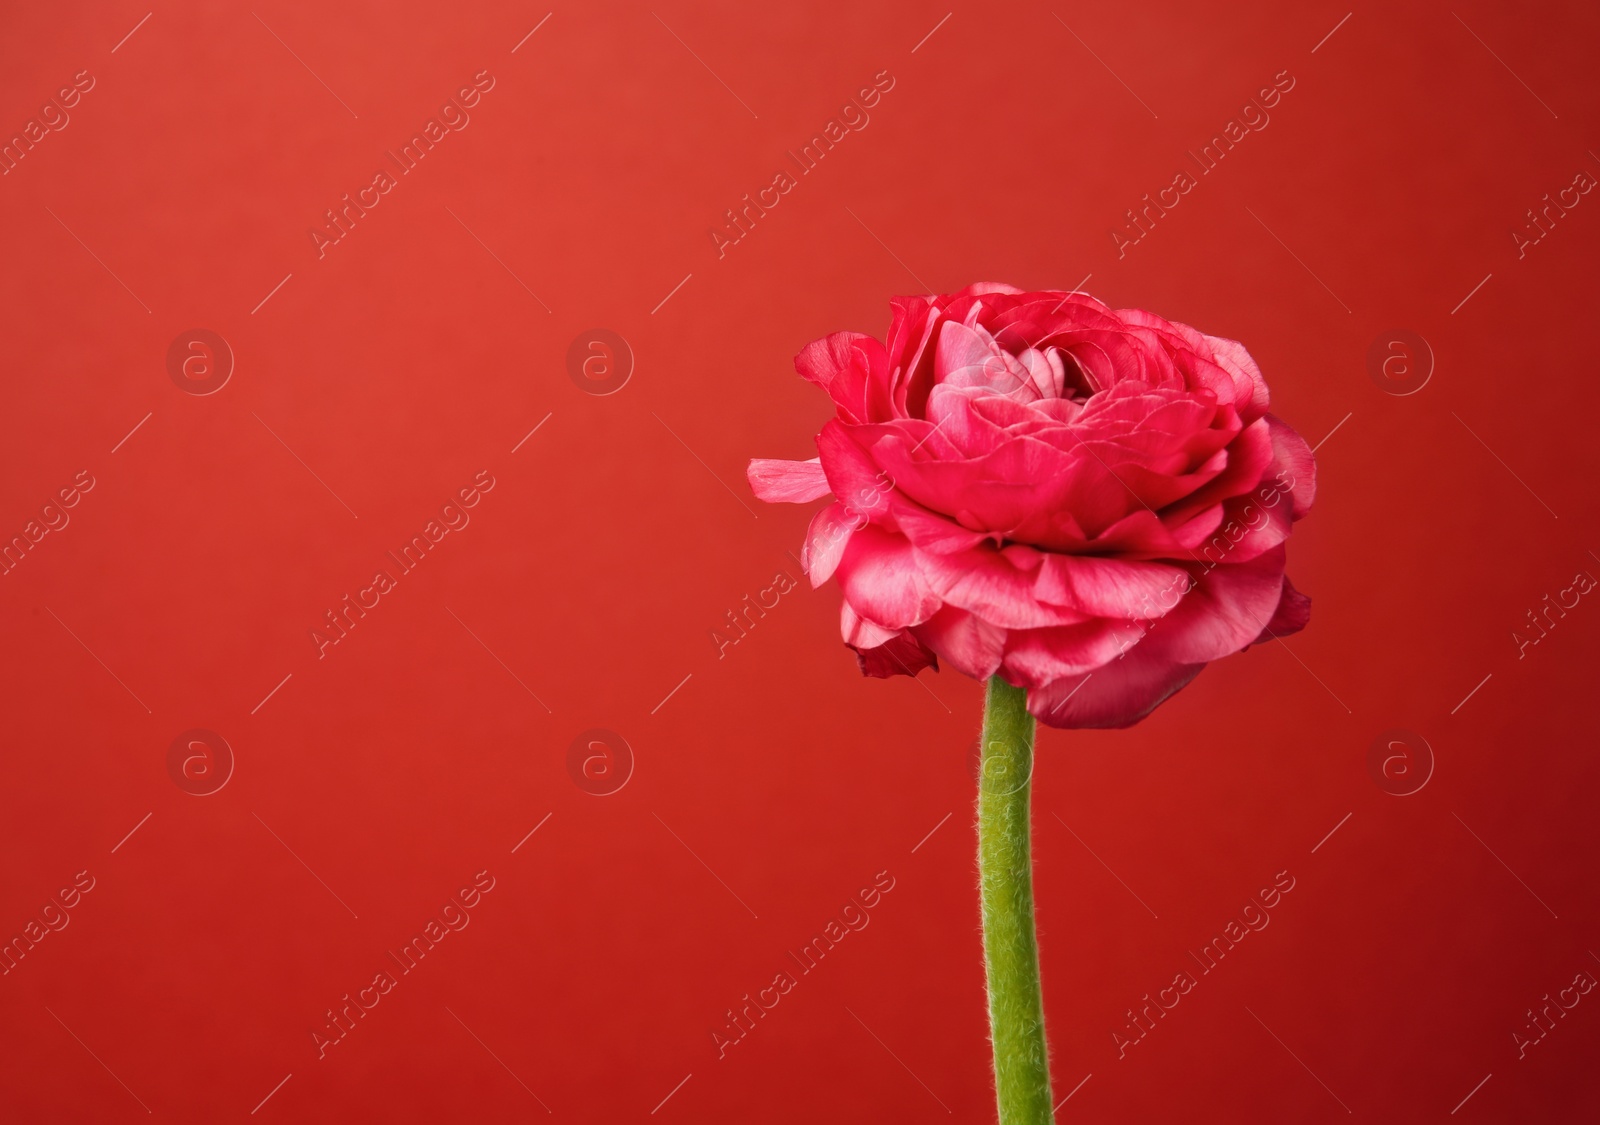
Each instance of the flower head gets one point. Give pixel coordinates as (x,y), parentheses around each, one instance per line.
(1090,502)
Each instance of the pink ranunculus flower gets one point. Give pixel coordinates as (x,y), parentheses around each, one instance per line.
(1090,502)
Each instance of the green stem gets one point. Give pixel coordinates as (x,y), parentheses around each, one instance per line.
(1010,947)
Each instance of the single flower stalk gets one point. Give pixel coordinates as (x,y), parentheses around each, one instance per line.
(1005,873)
(1078,505)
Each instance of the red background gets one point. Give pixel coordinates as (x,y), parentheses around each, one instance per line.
(775,782)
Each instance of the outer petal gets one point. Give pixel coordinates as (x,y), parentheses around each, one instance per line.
(968,643)
(1292,615)
(1256,522)
(787,482)
(1250,456)
(1250,527)
(1036,658)
(903,655)
(853,368)
(826,540)
(1233,358)
(1142,535)
(912,325)
(1121,588)
(881,580)
(872,494)
(1116,695)
(1223,612)
(995,584)
(983,288)
(860,633)
(1295,465)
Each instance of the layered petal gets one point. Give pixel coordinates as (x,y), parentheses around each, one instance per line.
(995,583)
(1108,587)
(787,482)
(884,652)
(902,655)
(1036,658)
(967,642)
(1223,611)
(1292,615)
(853,368)
(1118,694)
(826,540)
(880,579)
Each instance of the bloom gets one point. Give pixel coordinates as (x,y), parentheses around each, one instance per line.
(1090,502)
